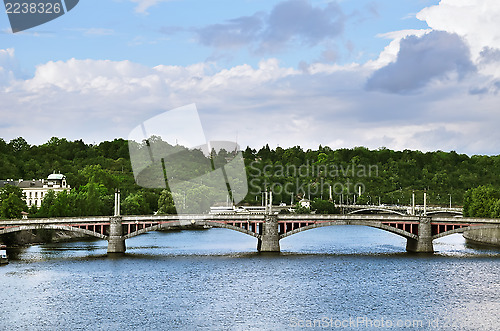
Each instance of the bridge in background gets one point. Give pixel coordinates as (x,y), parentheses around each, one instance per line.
(419,231)
(400,210)
(348,209)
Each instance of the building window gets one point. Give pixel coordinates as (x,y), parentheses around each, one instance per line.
(36,194)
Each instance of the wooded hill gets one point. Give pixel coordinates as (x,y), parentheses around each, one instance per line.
(95,170)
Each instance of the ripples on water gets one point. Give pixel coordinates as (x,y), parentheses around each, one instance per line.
(215,280)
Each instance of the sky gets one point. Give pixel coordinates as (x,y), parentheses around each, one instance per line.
(400,74)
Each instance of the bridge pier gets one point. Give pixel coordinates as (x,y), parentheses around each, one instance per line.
(270,241)
(424,242)
(116,242)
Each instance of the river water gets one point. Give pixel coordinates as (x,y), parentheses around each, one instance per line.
(333,278)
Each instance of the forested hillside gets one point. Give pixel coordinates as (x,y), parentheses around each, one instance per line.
(94,171)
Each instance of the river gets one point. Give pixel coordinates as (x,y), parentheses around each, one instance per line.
(333,278)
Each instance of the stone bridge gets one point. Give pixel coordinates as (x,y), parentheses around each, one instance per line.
(419,231)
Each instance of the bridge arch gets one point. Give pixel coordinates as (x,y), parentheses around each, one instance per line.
(387,211)
(448,212)
(391,229)
(230,227)
(167,226)
(53,227)
(463,229)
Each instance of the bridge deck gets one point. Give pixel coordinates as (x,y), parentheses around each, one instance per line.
(251,224)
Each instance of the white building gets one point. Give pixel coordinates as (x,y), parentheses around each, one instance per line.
(35,190)
(305,203)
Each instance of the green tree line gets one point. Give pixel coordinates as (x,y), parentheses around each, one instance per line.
(95,170)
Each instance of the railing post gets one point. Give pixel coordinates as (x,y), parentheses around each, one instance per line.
(116,241)
(424,242)
(270,241)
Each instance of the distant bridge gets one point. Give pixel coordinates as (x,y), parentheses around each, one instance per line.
(419,231)
(351,209)
(400,210)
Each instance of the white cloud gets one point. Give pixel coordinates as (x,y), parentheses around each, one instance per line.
(324,104)
(270,103)
(289,22)
(390,52)
(435,55)
(476,21)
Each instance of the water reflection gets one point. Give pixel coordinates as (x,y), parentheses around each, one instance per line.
(335,240)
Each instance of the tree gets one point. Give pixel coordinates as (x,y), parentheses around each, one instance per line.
(96,174)
(302,210)
(94,195)
(19,145)
(323,207)
(135,204)
(47,202)
(166,204)
(7,190)
(12,206)
(481,202)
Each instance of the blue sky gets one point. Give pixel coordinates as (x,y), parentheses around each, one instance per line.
(166,32)
(411,74)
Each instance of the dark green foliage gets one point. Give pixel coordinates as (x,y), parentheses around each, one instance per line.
(323,207)
(12,202)
(166,203)
(482,201)
(302,210)
(387,176)
(95,170)
(134,204)
(7,190)
(12,207)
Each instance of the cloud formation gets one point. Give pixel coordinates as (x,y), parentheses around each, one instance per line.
(475,21)
(422,59)
(292,21)
(234,33)
(323,104)
(456,107)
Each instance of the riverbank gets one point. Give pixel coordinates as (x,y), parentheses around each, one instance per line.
(42,236)
(490,237)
